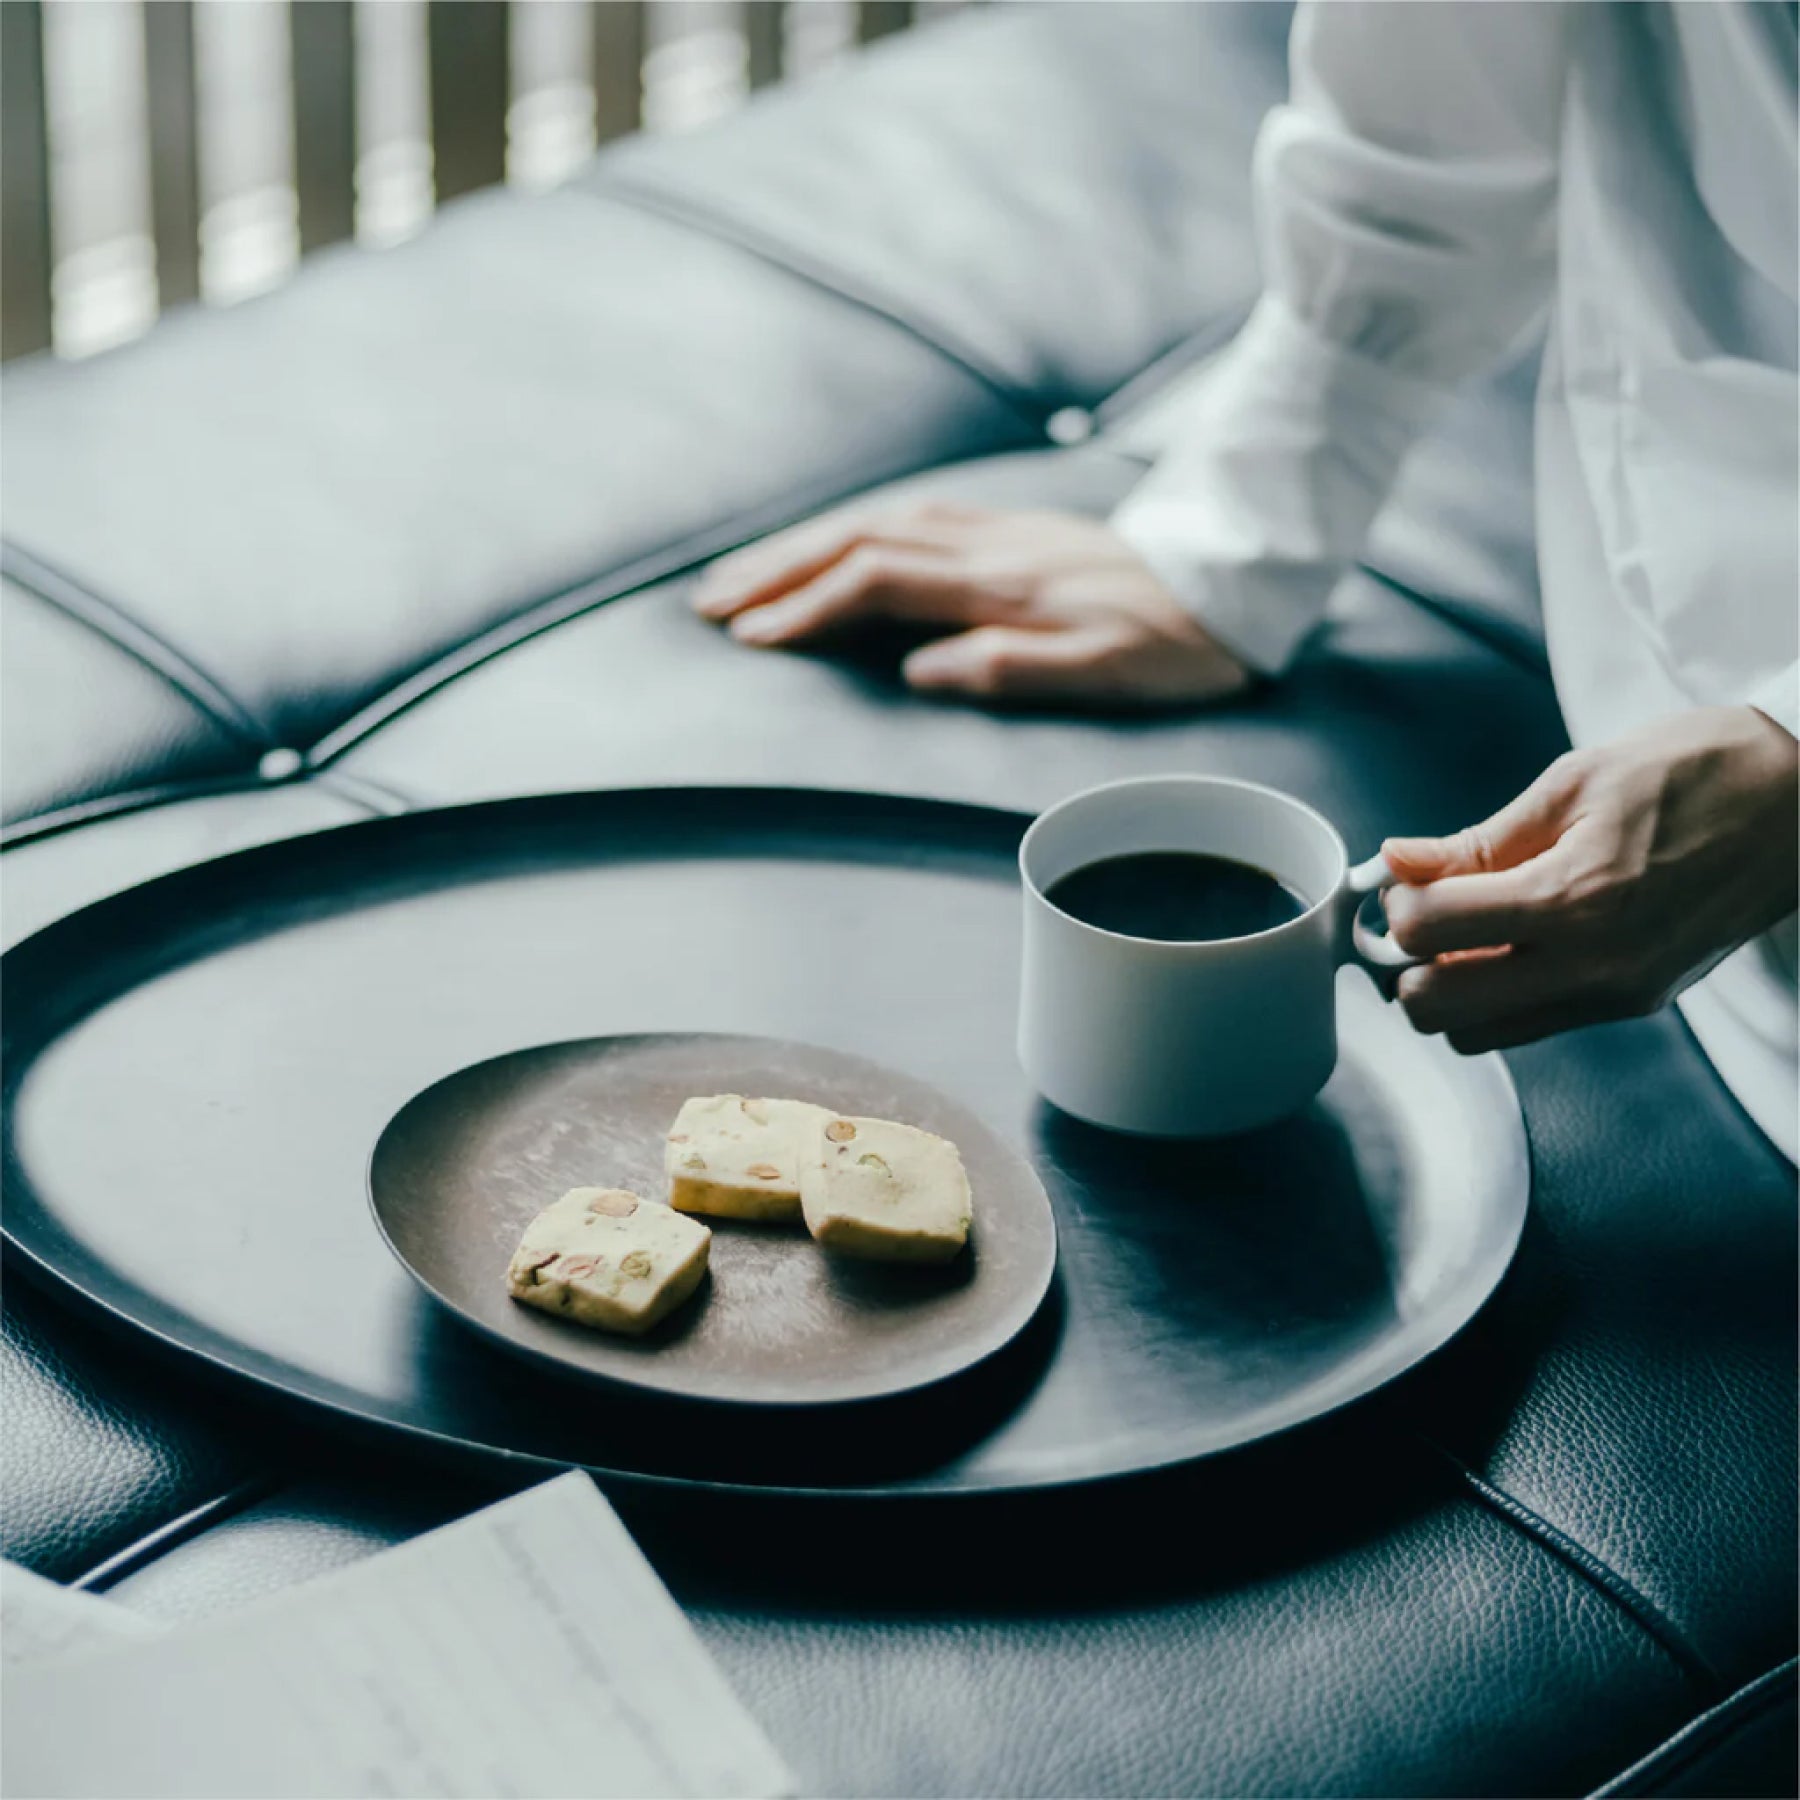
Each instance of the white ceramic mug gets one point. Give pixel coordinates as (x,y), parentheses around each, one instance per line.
(1202,1038)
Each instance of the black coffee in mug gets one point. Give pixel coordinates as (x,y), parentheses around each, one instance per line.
(1177,896)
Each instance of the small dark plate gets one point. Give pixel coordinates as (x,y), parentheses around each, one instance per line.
(463,1167)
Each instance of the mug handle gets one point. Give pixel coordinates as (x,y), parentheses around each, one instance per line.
(1375,950)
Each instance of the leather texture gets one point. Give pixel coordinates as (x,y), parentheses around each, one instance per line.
(1058,232)
(427,518)
(1371,726)
(330,1520)
(491,418)
(472,426)
(1634,1382)
(1210,1634)
(98,1450)
(81,716)
(1734,1749)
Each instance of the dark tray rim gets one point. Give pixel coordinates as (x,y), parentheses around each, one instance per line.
(358,1421)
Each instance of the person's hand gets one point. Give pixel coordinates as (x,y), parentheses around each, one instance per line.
(1036,605)
(1621,874)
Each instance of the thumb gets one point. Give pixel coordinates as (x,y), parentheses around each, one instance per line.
(1523,828)
(1009,662)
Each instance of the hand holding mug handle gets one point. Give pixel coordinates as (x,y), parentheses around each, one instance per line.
(1375,950)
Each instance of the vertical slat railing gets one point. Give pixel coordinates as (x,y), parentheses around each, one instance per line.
(765,28)
(881,18)
(619,44)
(467,51)
(25,172)
(173,113)
(324,51)
(469,94)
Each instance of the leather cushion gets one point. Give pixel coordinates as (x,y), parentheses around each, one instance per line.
(1209,1635)
(314,495)
(1635,1382)
(100,1451)
(544,401)
(1058,197)
(1372,726)
(1746,1745)
(81,717)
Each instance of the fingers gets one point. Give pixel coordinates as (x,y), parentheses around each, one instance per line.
(1486,884)
(1008,662)
(1449,995)
(770,568)
(777,565)
(1523,828)
(1495,1002)
(871,582)
(1471,912)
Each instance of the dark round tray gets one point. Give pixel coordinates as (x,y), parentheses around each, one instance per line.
(197,1069)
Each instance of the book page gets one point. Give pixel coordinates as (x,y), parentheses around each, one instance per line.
(41,1620)
(526,1650)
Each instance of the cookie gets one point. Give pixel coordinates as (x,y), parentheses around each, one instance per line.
(739,1158)
(889,1192)
(605,1258)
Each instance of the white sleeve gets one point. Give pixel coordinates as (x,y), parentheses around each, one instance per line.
(1406,199)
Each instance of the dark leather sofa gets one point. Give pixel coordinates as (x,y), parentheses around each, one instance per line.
(425,518)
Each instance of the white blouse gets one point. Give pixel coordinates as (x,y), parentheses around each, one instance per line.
(1443,180)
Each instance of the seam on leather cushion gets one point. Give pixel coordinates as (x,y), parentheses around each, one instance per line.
(112,622)
(588,596)
(113,806)
(372,797)
(678,210)
(1596,1571)
(1700,1737)
(175,1532)
(1169,361)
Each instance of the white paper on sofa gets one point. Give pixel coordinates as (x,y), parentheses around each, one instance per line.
(527,1650)
(42,1621)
